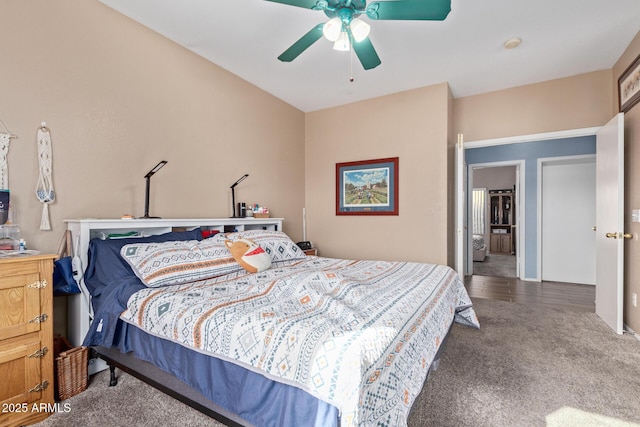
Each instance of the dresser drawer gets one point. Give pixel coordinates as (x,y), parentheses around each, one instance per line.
(20,304)
(21,370)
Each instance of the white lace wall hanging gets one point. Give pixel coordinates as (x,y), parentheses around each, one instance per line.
(5,138)
(44,190)
(4,169)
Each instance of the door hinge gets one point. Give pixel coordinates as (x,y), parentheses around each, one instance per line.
(38,284)
(40,387)
(39,319)
(39,353)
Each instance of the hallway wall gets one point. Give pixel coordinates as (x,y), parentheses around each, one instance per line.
(530,152)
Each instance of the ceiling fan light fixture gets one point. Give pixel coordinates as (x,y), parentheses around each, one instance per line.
(359,29)
(332,29)
(342,43)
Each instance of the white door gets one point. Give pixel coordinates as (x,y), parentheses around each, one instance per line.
(460,204)
(610,222)
(568,213)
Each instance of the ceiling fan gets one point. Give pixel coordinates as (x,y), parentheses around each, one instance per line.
(345,29)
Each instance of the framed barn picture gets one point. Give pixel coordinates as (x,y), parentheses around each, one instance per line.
(367,187)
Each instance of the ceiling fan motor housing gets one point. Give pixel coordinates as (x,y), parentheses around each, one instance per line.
(344,9)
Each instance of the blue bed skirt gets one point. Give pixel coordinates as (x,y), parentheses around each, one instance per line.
(251,396)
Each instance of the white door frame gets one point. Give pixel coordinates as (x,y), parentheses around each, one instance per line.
(541,162)
(460,222)
(572,133)
(520,208)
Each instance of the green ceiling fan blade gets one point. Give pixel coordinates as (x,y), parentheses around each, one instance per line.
(432,10)
(307,4)
(301,45)
(366,54)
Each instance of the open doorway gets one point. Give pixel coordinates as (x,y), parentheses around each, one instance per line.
(523,151)
(494,220)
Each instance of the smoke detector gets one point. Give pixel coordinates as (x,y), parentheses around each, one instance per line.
(512,43)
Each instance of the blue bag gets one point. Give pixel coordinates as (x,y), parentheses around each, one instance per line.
(64,282)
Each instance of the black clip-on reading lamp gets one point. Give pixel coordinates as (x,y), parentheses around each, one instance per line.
(148,176)
(233,193)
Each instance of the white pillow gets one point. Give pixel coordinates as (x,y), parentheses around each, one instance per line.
(276,243)
(175,262)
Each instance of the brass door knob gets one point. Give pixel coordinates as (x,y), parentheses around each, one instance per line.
(620,235)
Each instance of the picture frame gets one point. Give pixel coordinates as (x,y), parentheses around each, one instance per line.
(629,86)
(367,187)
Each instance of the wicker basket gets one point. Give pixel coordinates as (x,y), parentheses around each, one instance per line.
(70,369)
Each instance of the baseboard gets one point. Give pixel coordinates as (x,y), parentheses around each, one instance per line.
(628,330)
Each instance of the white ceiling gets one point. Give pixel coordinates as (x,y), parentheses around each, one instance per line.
(559,38)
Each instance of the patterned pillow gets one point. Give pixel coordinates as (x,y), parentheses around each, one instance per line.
(276,243)
(171,263)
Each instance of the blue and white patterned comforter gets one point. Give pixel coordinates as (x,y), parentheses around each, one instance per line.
(359,335)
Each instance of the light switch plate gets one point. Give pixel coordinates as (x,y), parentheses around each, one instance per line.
(635,215)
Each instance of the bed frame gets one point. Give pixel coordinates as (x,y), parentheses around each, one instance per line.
(166,383)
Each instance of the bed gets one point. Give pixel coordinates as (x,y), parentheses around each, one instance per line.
(308,341)
(479,248)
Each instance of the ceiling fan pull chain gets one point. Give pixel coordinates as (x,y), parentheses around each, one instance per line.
(351,79)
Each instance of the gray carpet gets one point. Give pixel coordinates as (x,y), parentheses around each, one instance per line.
(496,265)
(531,365)
(528,365)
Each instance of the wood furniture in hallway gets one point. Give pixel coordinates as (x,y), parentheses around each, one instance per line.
(501,220)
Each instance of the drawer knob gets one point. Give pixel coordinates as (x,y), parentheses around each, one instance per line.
(39,353)
(39,319)
(38,284)
(39,387)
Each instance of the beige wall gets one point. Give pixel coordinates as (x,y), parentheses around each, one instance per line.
(632,189)
(575,102)
(451,181)
(410,125)
(118,98)
(494,178)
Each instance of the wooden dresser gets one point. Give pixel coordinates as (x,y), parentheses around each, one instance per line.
(26,339)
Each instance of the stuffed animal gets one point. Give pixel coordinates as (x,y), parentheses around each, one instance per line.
(249,255)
